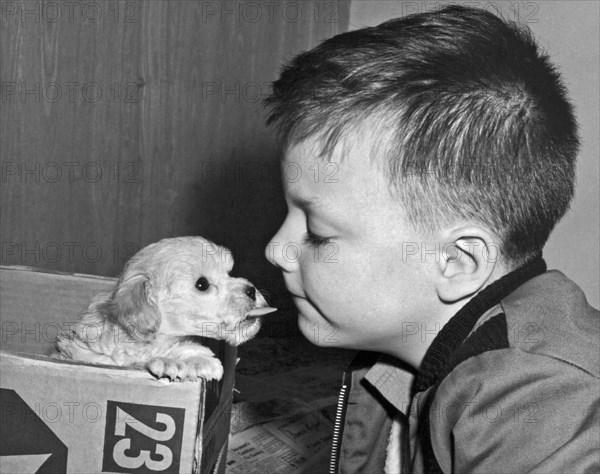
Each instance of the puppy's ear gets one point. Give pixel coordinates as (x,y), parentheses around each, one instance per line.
(133,308)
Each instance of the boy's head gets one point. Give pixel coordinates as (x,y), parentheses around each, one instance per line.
(406,147)
(468,119)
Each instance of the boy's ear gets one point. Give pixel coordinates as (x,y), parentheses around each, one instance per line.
(133,307)
(468,259)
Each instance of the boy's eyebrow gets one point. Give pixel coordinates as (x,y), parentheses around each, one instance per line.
(313,203)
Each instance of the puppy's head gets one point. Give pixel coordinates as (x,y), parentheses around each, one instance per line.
(182,287)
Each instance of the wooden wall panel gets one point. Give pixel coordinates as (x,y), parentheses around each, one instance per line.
(124,122)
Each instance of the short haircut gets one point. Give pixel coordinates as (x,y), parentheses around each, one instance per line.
(472,118)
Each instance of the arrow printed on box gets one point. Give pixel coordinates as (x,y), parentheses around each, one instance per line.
(22,464)
(28,444)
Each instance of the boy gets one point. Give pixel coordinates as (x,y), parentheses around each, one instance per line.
(432,156)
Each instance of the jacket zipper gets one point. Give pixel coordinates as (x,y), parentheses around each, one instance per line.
(338,427)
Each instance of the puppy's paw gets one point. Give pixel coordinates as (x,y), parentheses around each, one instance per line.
(208,368)
(163,367)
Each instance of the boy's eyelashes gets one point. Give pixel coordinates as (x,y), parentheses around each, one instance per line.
(313,239)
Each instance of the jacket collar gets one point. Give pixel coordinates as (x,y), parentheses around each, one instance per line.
(394,381)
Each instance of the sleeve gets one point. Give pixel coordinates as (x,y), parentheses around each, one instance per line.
(512,411)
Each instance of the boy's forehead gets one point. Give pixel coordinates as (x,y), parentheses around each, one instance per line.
(310,179)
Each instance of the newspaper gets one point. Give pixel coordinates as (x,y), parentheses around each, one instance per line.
(292,444)
(282,421)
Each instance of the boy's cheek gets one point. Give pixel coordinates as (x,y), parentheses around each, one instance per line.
(329,282)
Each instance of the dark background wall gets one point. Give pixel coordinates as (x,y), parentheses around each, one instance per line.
(124,122)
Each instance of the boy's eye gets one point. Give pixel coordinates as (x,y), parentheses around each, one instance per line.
(314,239)
(202,284)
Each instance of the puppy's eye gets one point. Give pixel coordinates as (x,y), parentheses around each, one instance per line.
(202,284)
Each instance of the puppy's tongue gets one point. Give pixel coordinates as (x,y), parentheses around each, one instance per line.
(255,313)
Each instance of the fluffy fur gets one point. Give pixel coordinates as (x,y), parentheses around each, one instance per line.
(169,292)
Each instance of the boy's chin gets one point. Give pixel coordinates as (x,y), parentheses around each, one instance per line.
(319,332)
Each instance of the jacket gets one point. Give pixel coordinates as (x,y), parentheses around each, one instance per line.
(510,384)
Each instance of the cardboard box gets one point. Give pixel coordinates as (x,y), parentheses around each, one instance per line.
(59,416)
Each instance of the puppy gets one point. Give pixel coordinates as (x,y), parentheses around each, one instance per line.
(169,291)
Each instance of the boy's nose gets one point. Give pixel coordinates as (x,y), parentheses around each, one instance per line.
(275,253)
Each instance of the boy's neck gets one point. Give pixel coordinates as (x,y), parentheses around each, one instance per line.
(419,336)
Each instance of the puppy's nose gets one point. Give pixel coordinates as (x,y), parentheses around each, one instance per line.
(251,292)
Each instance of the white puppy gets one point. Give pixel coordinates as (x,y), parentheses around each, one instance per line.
(169,291)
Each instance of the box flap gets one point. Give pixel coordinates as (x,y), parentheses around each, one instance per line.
(35,306)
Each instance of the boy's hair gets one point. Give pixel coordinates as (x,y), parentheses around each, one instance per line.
(473,121)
